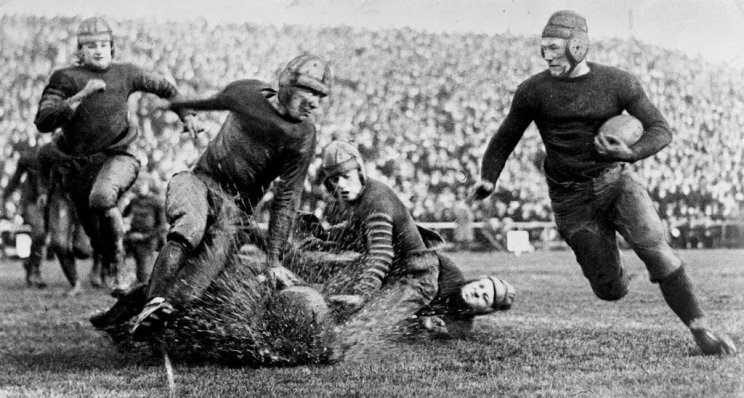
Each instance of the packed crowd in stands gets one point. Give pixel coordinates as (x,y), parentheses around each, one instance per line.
(421,106)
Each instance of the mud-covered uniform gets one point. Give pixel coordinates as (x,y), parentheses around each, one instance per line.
(255,146)
(592,196)
(33,215)
(395,273)
(378,226)
(146,226)
(67,236)
(96,137)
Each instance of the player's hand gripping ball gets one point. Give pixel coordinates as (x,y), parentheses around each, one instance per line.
(625,128)
(616,135)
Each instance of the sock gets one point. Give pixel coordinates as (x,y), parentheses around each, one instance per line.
(678,293)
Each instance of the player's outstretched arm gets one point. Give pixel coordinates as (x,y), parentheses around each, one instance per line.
(481,190)
(213,103)
(501,145)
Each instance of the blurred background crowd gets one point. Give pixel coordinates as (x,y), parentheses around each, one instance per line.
(421,107)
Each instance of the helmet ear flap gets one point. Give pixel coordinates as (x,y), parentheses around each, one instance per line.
(577,47)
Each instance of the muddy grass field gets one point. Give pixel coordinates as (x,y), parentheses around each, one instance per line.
(558,341)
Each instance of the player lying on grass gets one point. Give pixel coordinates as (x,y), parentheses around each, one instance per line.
(243,320)
(240,302)
(594,192)
(394,267)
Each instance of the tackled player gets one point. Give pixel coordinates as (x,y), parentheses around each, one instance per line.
(396,275)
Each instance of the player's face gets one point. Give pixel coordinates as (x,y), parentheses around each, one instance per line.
(554,53)
(96,54)
(347,186)
(478,294)
(302,102)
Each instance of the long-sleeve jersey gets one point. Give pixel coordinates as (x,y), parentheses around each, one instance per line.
(100,121)
(256,145)
(380,227)
(568,114)
(28,165)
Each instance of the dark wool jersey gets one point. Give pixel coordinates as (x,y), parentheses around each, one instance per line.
(568,113)
(100,121)
(380,227)
(256,145)
(28,165)
(147,214)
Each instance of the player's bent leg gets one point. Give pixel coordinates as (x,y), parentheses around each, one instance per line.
(143,257)
(187,210)
(597,252)
(152,319)
(123,310)
(95,277)
(638,221)
(711,342)
(679,294)
(33,216)
(115,176)
(60,240)
(169,261)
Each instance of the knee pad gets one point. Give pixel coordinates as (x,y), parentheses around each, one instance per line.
(103,199)
(612,290)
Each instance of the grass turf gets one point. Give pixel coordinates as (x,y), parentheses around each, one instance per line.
(557,340)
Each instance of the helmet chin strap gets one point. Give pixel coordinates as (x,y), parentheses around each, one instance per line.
(567,74)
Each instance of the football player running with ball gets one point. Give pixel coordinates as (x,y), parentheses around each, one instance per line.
(593,191)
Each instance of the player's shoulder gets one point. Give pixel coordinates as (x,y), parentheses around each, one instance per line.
(533,84)
(617,80)
(124,66)
(536,79)
(244,91)
(68,72)
(608,71)
(248,84)
(380,197)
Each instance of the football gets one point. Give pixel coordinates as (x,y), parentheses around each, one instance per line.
(299,305)
(624,127)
